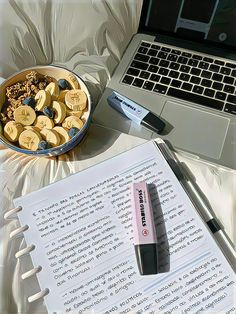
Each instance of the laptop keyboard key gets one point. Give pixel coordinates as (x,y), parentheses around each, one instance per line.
(127,79)
(138,82)
(220,95)
(206,83)
(182,60)
(184,77)
(203,65)
(164,63)
(197,57)
(187,86)
(153,68)
(145,44)
(165,80)
(217,86)
(143,50)
(230,65)
(152,52)
(219,62)
(195,80)
(174,66)
(166,49)
(162,55)
(172,57)
(212,103)
(176,83)
(233,73)
(228,80)
(230,108)
(163,71)
(195,71)
(148,85)
(217,77)
(209,92)
(176,52)
(141,57)
(229,89)
(206,74)
(159,88)
(198,89)
(134,72)
(154,60)
(184,68)
(186,54)
(192,62)
(225,71)
(144,74)
(231,98)
(214,68)
(139,65)
(155,77)
(210,60)
(154,46)
(174,74)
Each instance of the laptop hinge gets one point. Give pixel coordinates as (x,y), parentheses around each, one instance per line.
(196,46)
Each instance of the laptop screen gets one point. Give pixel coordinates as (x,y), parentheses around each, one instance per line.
(207,20)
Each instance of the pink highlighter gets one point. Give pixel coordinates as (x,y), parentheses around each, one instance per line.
(145,238)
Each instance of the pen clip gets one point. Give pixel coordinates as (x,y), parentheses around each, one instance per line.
(171,159)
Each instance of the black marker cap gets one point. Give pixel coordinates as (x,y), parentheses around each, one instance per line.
(152,122)
(147,258)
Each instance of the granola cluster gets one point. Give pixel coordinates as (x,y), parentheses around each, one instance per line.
(17,92)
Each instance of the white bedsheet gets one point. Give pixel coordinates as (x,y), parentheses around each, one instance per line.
(88,37)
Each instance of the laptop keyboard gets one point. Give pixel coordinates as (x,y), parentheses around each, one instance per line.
(192,77)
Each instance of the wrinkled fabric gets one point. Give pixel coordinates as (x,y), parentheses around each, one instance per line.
(88,37)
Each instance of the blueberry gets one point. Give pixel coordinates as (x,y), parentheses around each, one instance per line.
(73,131)
(64,84)
(29,101)
(43,145)
(48,112)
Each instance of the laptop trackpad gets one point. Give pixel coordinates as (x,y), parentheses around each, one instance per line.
(194,130)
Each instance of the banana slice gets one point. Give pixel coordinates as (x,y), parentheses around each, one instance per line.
(12,131)
(29,139)
(62,95)
(72,121)
(60,111)
(24,115)
(63,134)
(73,113)
(32,127)
(73,81)
(43,99)
(53,89)
(76,99)
(42,122)
(51,136)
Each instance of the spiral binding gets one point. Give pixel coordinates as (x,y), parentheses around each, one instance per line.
(23,252)
(31,272)
(38,295)
(12,211)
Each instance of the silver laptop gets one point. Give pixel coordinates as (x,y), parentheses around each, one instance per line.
(181,65)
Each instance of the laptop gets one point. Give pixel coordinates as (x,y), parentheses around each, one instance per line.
(181,65)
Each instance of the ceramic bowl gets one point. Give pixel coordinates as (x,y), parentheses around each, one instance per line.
(56,73)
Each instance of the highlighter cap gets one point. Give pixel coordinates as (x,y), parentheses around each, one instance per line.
(147,258)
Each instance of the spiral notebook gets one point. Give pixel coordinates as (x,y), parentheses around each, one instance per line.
(79,234)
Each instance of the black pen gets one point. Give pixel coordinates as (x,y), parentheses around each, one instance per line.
(203,209)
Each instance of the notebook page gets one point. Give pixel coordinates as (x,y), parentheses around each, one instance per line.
(82,229)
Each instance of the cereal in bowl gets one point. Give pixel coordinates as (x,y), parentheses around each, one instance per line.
(41,112)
